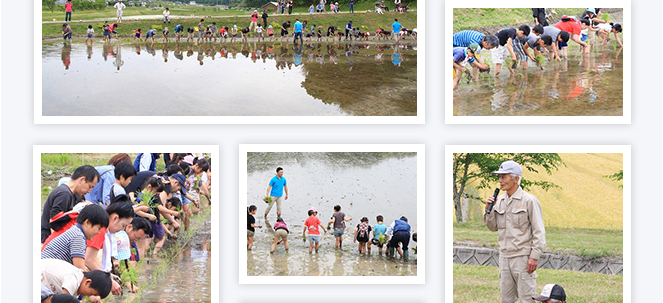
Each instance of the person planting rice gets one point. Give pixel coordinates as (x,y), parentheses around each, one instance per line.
(556,36)
(277,186)
(574,28)
(251,226)
(362,234)
(338,219)
(401,235)
(605,29)
(506,48)
(536,42)
(280,235)
(379,234)
(467,37)
(461,57)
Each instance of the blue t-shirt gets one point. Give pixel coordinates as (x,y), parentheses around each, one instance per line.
(467,37)
(397,27)
(396,59)
(100,193)
(277,186)
(379,229)
(460,53)
(298,27)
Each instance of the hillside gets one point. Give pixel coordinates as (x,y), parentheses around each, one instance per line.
(586,198)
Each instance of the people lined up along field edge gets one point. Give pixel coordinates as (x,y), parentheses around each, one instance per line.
(122,211)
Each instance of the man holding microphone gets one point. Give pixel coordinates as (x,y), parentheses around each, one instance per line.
(518,219)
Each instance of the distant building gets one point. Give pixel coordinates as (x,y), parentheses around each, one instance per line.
(270,6)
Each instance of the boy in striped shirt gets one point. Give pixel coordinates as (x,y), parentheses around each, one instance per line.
(70,246)
(467,37)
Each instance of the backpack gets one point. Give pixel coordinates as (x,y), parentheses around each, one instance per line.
(363,230)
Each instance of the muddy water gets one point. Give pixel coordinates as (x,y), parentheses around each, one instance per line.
(254,79)
(186,279)
(580,86)
(364,184)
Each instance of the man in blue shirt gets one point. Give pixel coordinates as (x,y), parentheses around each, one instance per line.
(298,31)
(396,29)
(275,190)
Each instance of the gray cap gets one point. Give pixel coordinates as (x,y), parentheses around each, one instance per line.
(509,167)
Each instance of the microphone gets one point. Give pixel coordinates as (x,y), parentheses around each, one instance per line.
(490,208)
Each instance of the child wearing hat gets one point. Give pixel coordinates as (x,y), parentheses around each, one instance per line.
(551,293)
(463,56)
(312,223)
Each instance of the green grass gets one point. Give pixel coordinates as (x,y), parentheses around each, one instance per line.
(178,10)
(69,162)
(577,241)
(371,22)
(474,18)
(481,284)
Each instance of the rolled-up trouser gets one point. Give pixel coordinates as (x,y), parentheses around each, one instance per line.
(515,282)
(278,201)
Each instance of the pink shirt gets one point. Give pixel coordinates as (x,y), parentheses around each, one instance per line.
(68,6)
(254,17)
(312,224)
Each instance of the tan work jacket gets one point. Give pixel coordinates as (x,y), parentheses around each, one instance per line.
(519,222)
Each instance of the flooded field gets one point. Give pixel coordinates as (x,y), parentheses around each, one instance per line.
(580,86)
(364,184)
(255,79)
(186,277)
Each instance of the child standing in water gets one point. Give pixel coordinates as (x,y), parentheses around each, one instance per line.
(280,234)
(362,233)
(250,226)
(379,230)
(312,223)
(338,219)
(90,34)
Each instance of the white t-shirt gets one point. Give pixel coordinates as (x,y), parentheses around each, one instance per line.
(90,30)
(57,274)
(607,27)
(120,6)
(166,13)
(110,247)
(145,161)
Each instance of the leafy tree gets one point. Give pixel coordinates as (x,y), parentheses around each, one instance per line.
(470,167)
(618,176)
(49,4)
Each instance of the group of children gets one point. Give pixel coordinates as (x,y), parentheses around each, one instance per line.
(364,234)
(212,32)
(101,216)
(511,45)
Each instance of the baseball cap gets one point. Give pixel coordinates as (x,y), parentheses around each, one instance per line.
(474,48)
(404,218)
(181,179)
(313,209)
(551,291)
(509,167)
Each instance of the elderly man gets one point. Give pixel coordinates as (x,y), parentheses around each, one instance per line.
(518,219)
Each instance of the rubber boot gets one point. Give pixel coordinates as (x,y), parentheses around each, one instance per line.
(406,254)
(391,251)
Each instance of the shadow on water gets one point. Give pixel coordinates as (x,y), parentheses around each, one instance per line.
(267,78)
(364,184)
(590,85)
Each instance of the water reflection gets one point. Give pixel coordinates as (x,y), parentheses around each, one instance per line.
(311,79)
(580,86)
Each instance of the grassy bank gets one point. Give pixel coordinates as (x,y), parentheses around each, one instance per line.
(576,241)
(179,10)
(481,284)
(481,18)
(365,21)
(586,198)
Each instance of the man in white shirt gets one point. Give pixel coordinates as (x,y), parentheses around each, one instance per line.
(120,8)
